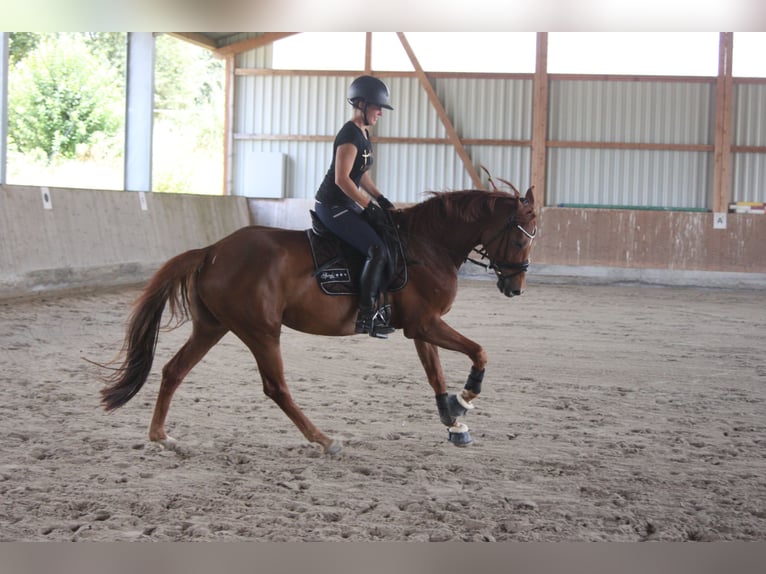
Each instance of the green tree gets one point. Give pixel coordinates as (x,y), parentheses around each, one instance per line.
(186,76)
(62,96)
(110,47)
(188,117)
(20,44)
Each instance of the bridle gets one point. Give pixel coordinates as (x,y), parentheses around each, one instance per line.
(500,266)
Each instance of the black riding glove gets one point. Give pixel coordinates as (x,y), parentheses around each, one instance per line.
(374,214)
(384,203)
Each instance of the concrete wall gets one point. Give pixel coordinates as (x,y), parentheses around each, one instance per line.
(658,247)
(102,238)
(287,213)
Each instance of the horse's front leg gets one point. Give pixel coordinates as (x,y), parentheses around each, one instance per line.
(439,334)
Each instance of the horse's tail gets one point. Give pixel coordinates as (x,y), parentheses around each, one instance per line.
(170,284)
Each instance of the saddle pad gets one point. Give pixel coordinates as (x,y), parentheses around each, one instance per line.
(338,266)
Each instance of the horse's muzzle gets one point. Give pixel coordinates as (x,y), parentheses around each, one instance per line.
(508,288)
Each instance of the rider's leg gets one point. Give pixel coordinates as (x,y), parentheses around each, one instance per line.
(348,224)
(369,289)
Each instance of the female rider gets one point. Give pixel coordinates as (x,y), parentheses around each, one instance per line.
(344,201)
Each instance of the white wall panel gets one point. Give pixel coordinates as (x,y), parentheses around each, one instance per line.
(749,169)
(635,178)
(488,108)
(750,114)
(748,177)
(632,112)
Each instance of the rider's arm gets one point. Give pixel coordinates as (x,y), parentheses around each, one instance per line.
(344,162)
(367,185)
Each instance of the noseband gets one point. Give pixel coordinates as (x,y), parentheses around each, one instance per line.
(499,266)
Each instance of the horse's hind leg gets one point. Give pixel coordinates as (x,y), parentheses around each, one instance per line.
(202,339)
(269,358)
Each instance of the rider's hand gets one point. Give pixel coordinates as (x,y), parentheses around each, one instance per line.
(384,203)
(374,214)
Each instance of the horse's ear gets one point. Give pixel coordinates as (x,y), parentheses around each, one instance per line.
(530,196)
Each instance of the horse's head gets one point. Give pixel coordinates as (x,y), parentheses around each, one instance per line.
(507,241)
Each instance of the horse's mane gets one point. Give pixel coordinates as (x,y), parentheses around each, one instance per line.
(443,207)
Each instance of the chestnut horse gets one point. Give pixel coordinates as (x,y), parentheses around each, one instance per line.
(259,278)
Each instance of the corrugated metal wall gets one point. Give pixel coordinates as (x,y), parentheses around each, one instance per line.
(488,108)
(749,169)
(288,106)
(630,113)
(311,105)
(630,178)
(500,108)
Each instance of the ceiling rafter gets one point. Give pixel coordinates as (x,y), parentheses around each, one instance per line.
(222,51)
(197,38)
(252,43)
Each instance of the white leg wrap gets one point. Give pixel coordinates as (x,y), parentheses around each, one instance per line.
(464,403)
(458,428)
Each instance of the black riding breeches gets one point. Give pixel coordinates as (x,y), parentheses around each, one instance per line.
(351,227)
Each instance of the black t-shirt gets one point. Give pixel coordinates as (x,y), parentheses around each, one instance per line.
(329,192)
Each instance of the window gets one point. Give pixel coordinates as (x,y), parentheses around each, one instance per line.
(510,52)
(501,52)
(748,60)
(320,51)
(187,147)
(76,139)
(640,53)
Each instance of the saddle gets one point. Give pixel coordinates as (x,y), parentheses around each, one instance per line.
(338,266)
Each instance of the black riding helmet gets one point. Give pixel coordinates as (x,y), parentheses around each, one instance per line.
(368,90)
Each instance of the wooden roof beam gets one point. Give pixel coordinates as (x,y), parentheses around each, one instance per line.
(252,43)
(196,38)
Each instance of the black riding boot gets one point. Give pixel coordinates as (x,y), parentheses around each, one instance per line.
(369,320)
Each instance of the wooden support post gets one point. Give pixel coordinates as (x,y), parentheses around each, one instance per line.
(368,53)
(228,123)
(540,119)
(723,119)
(442,113)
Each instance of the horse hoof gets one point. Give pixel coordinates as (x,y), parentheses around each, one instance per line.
(459,435)
(460,439)
(334,447)
(168,443)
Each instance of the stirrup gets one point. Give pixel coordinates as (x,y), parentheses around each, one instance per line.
(381,331)
(381,319)
(376,330)
(375,326)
